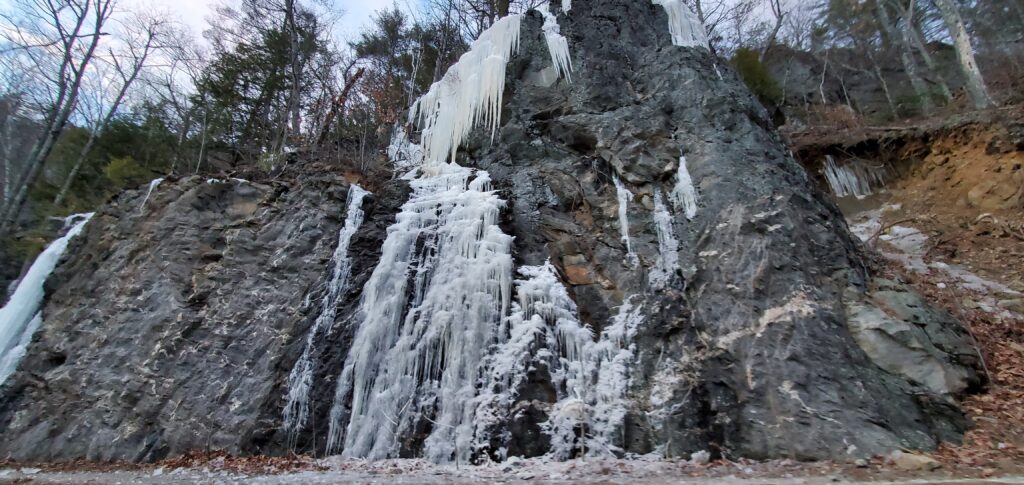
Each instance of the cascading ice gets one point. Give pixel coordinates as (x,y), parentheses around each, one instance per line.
(300,381)
(666,269)
(685,27)
(624,196)
(428,313)
(20,318)
(684,194)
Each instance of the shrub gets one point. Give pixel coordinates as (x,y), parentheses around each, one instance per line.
(125,171)
(756,76)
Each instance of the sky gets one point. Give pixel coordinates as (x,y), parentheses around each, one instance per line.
(356,13)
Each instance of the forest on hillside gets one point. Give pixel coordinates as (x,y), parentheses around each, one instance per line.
(96,97)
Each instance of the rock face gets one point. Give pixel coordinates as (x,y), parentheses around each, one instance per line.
(174,326)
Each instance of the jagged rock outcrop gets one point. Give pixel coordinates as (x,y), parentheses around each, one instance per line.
(174,326)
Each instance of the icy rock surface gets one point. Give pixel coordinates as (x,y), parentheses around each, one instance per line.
(296,410)
(20,318)
(489,313)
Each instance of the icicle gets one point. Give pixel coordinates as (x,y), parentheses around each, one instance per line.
(300,381)
(686,29)
(468,95)
(566,6)
(428,313)
(558,46)
(541,327)
(624,196)
(684,195)
(21,317)
(152,186)
(856,179)
(666,268)
(406,157)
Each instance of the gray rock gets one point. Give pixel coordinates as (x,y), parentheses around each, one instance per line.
(175,330)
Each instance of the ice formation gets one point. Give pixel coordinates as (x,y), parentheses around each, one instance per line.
(624,196)
(685,27)
(21,317)
(666,268)
(684,195)
(152,186)
(558,46)
(541,327)
(300,381)
(428,314)
(855,178)
(590,376)
(566,6)
(468,95)
(405,156)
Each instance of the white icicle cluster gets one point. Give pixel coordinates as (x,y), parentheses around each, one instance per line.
(685,27)
(468,95)
(624,196)
(566,6)
(21,317)
(300,381)
(856,179)
(684,195)
(666,268)
(590,377)
(428,314)
(558,46)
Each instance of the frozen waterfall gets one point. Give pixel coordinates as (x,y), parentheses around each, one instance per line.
(558,46)
(684,194)
(153,184)
(855,178)
(428,314)
(685,27)
(21,317)
(666,269)
(624,196)
(590,376)
(300,381)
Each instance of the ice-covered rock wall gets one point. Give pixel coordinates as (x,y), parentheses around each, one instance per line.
(681,285)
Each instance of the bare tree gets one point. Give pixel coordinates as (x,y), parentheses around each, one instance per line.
(906,53)
(975,83)
(64,34)
(142,34)
(780,15)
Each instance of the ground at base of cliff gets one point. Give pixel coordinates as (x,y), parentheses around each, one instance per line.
(217,468)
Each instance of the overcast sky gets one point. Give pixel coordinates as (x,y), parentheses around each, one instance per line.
(356,14)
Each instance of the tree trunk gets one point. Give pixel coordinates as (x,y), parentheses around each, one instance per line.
(907,57)
(975,83)
(915,38)
(337,106)
(61,113)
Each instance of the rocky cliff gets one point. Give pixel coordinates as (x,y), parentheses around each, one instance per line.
(701,294)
